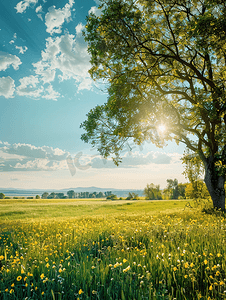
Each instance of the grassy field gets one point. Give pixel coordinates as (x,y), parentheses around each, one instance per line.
(21,209)
(98,249)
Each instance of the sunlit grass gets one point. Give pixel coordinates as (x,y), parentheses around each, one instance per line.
(135,251)
(69,208)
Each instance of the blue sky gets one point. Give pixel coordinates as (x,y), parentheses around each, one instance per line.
(45,94)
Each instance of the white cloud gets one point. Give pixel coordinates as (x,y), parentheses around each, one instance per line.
(21,49)
(68,55)
(79,29)
(26,157)
(86,84)
(38,9)
(7,59)
(55,18)
(28,87)
(7,87)
(95,10)
(45,70)
(51,94)
(129,160)
(40,165)
(23,5)
(39,12)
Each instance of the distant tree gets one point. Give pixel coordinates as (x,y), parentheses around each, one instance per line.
(45,195)
(172,188)
(100,195)
(181,190)
(60,195)
(2,196)
(152,192)
(199,192)
(37,197)
(86,195)
(51,196)
(71,194)
(27,198)
(92,195)
(132,196)
(112,197)
(193,171)
(108,193)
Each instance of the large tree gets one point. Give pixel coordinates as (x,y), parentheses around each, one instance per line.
(164,64)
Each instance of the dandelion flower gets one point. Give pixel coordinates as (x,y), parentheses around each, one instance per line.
(19,278)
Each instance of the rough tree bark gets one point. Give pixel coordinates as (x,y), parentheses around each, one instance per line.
(215,184)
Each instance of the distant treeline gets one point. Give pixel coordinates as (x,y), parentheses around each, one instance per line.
(174,190)
(72,194)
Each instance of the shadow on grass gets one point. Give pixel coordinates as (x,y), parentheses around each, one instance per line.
(12,213)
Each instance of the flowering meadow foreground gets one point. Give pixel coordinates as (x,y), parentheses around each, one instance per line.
(131,254)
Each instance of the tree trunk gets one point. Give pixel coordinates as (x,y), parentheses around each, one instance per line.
(215,184)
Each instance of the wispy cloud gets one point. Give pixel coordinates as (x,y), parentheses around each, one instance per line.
(21,49)
(26,157)
(29,87)
(50,94)
(23,5)
(39,12)
(131,160)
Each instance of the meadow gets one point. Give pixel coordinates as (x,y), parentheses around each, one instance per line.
(98,249)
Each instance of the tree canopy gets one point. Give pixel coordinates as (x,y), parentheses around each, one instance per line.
(164,64)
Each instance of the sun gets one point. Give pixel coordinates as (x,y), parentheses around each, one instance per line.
(162,128)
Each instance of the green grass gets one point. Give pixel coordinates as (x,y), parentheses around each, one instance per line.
(11,209)
(113,250)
